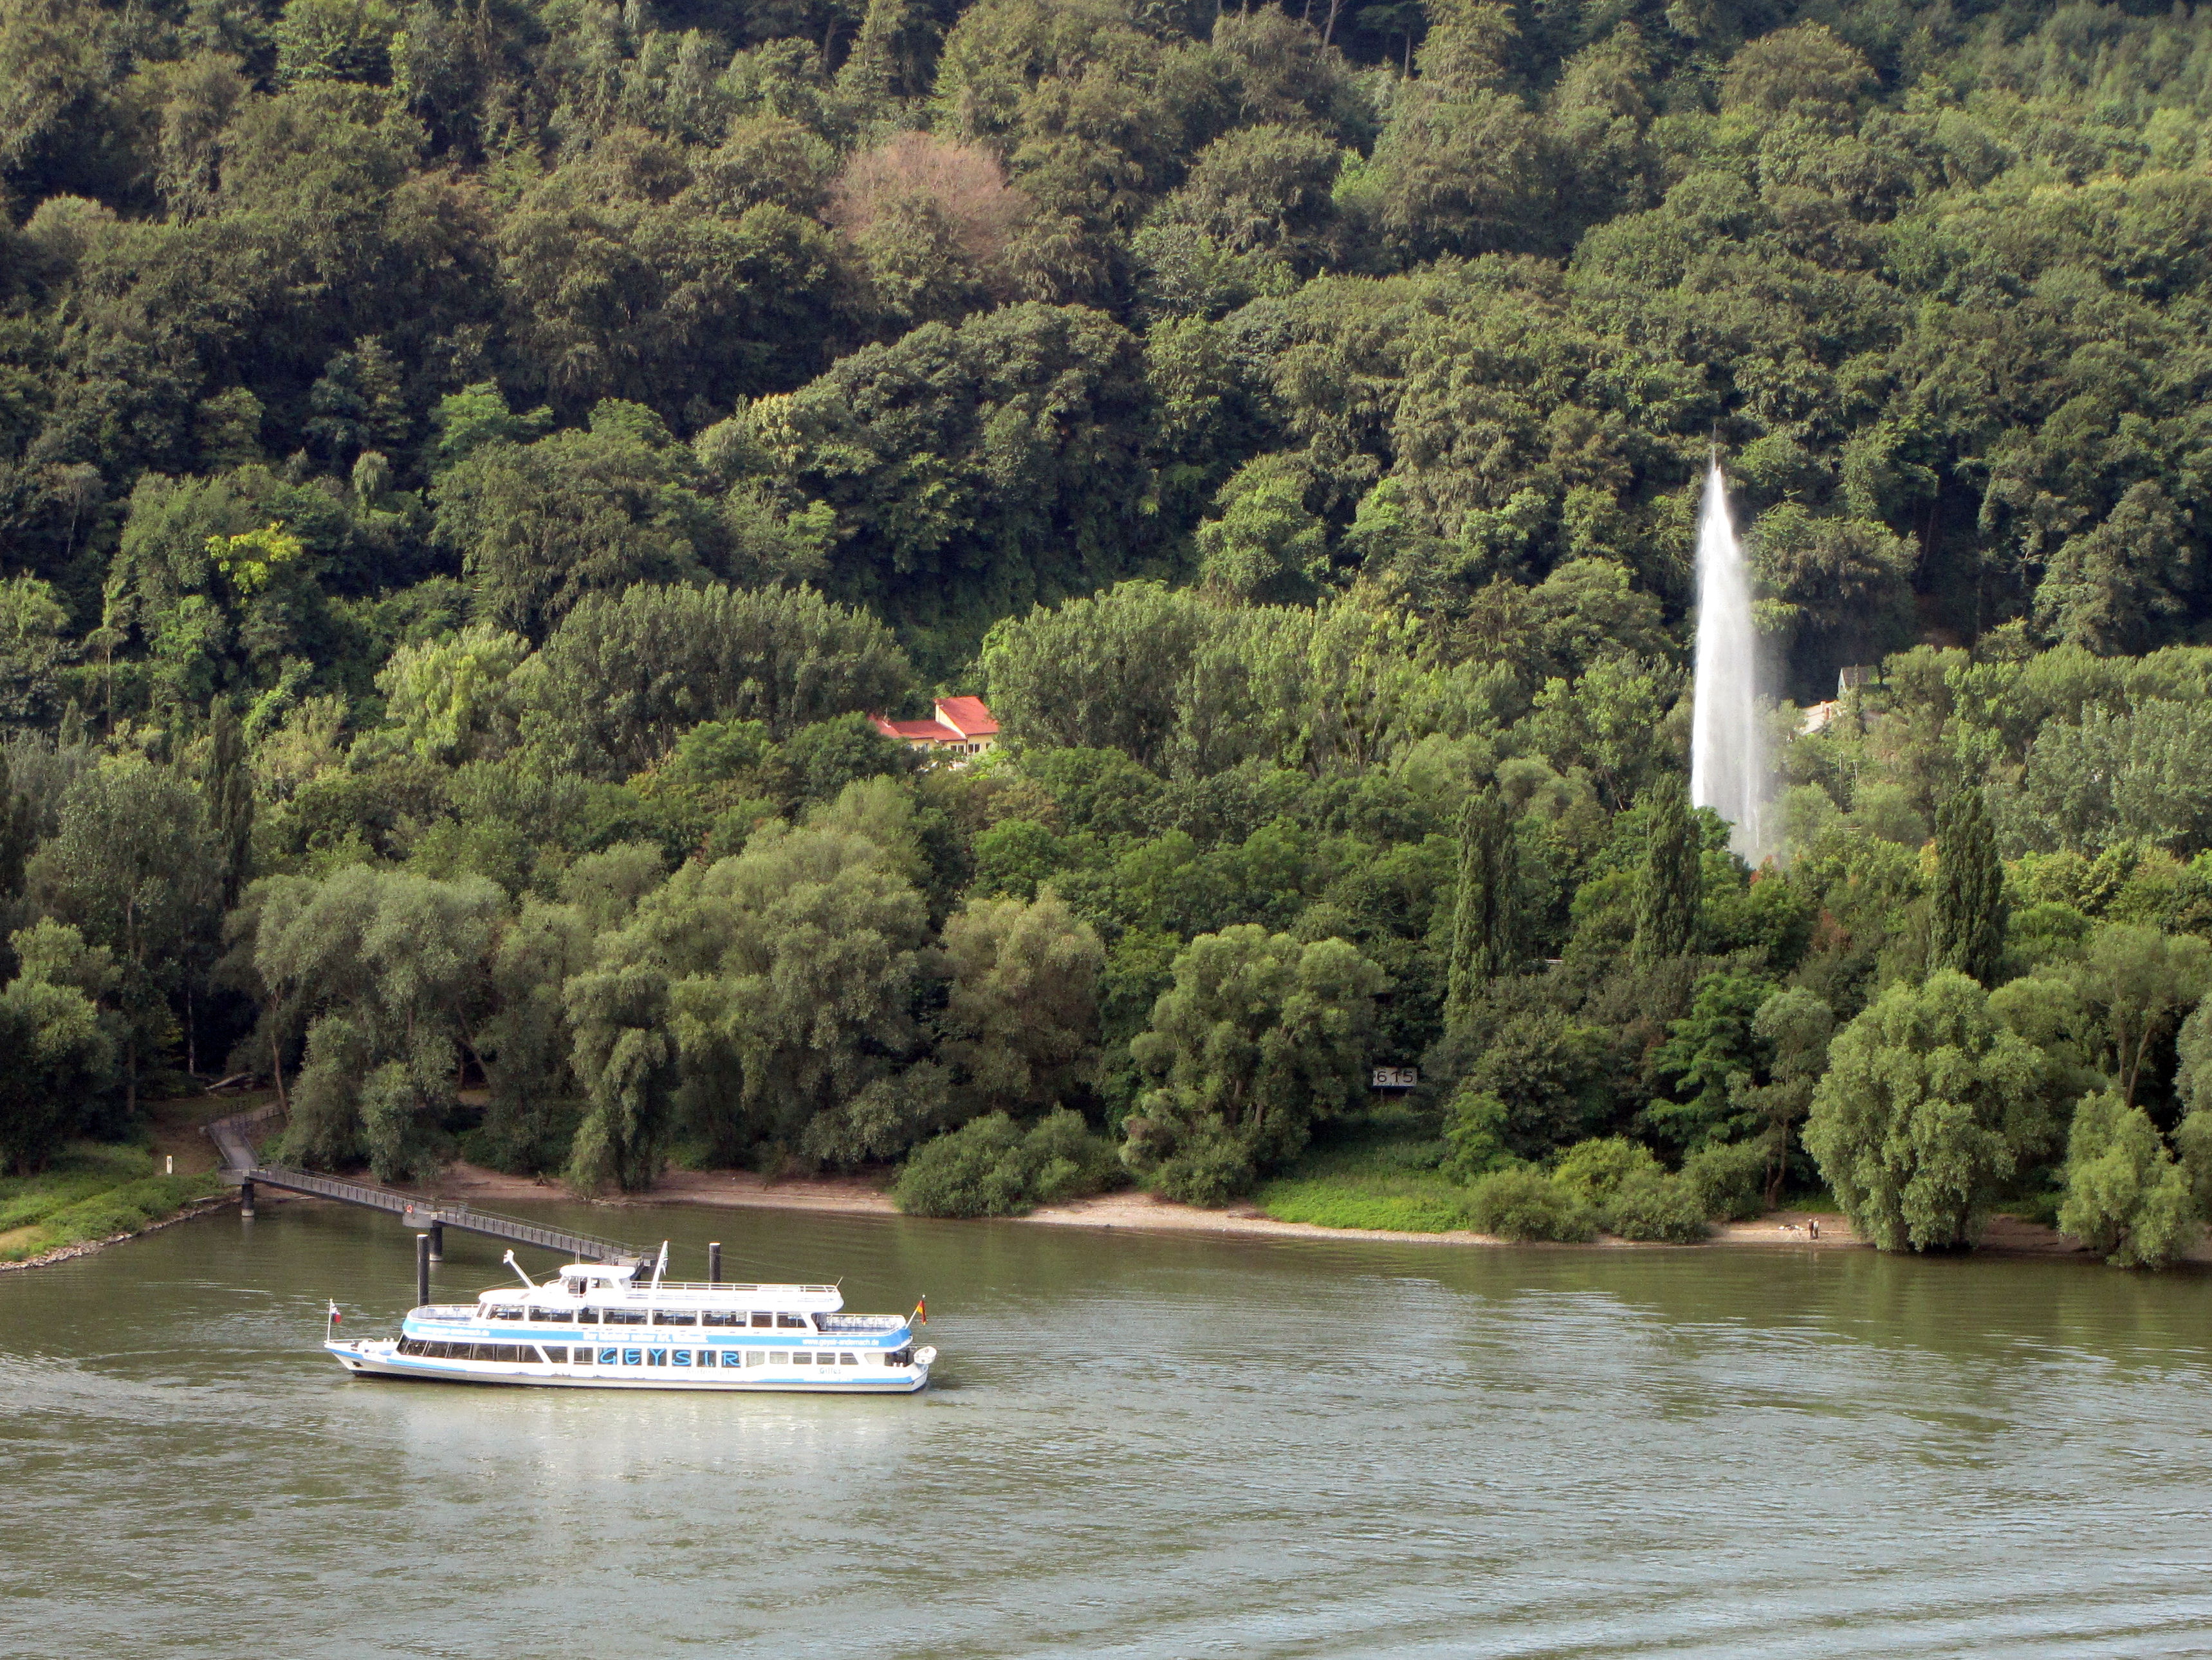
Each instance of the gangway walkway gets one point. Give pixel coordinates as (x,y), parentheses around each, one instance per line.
(235,1136)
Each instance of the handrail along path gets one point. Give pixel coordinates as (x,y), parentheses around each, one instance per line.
(233,1135)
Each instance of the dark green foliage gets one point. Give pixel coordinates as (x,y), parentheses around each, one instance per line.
(993,1167)
(1967,909)
(470,479)
(624,675)
(230,794)
(1927,1107)
(1671,882)
(1522,1203)
(1707,1061)
(1656,1209)
(1259,1037)
(1483,916)
(1474,1135)
(1728,1179)
(2127,1198)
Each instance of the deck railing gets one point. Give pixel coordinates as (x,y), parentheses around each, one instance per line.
(232,1135)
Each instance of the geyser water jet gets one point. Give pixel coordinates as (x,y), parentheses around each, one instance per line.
(1728,740)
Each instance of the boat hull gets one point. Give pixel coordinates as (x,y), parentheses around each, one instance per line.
(374,1359)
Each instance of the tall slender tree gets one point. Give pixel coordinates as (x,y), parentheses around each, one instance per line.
(227,788)
(17,832)
(1966,919)
(1672,883)
(1484,944)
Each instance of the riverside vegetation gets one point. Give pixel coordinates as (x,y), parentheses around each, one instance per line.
(466,474)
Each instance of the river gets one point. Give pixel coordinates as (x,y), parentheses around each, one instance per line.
(1138,1445)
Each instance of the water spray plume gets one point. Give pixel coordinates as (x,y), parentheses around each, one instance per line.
(1728,740)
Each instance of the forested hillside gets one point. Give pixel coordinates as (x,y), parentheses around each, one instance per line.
(468,471)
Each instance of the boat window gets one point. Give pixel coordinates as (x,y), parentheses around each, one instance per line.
(848,1358)
(761,1320)
(632,1357)
(757,1358)
(506,1314)
(559,1316)
(674,1317)
(607,1356)
(623,1317)
(899,1358)
(804,1358)
(682,1357)
(656,1357)
(587,1316)
(792,1321)
(722,1318)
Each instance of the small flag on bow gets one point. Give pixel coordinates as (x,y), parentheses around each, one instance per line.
(920,1316)
(335,1316)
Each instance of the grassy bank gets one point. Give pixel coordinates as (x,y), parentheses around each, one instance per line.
(1377,1171)
(92,1191)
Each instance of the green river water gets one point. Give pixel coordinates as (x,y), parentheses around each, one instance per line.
(1138,1445)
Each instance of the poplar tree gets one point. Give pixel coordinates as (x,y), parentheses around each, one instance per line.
(1483,945)
(1671,881)
(17,833)
(1966,920)
(227,787)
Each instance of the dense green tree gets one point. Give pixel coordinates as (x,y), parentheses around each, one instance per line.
(1966,907)
(538,527)
(767,999)
(2136,985)
(131,864)
(385,972)
(60,1060)
(1796,1025)
(1259,1038)
(1927,1106)
(1020,1026)
(974,471)
(1670,885)
(2126,1198)
(624,675)
(1485,942)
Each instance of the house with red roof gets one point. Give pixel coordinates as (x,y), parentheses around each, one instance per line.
(963,729)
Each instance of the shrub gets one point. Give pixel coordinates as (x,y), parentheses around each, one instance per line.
(1593,1169)
(2126,1197)
(1211,1167)
(1656,1206)
(992,1167)
(1524,1203)
(1474,1135)
(1728,1180)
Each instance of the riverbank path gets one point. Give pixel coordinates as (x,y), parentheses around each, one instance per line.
(236,1135)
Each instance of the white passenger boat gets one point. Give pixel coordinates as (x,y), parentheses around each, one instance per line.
(599,1327)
